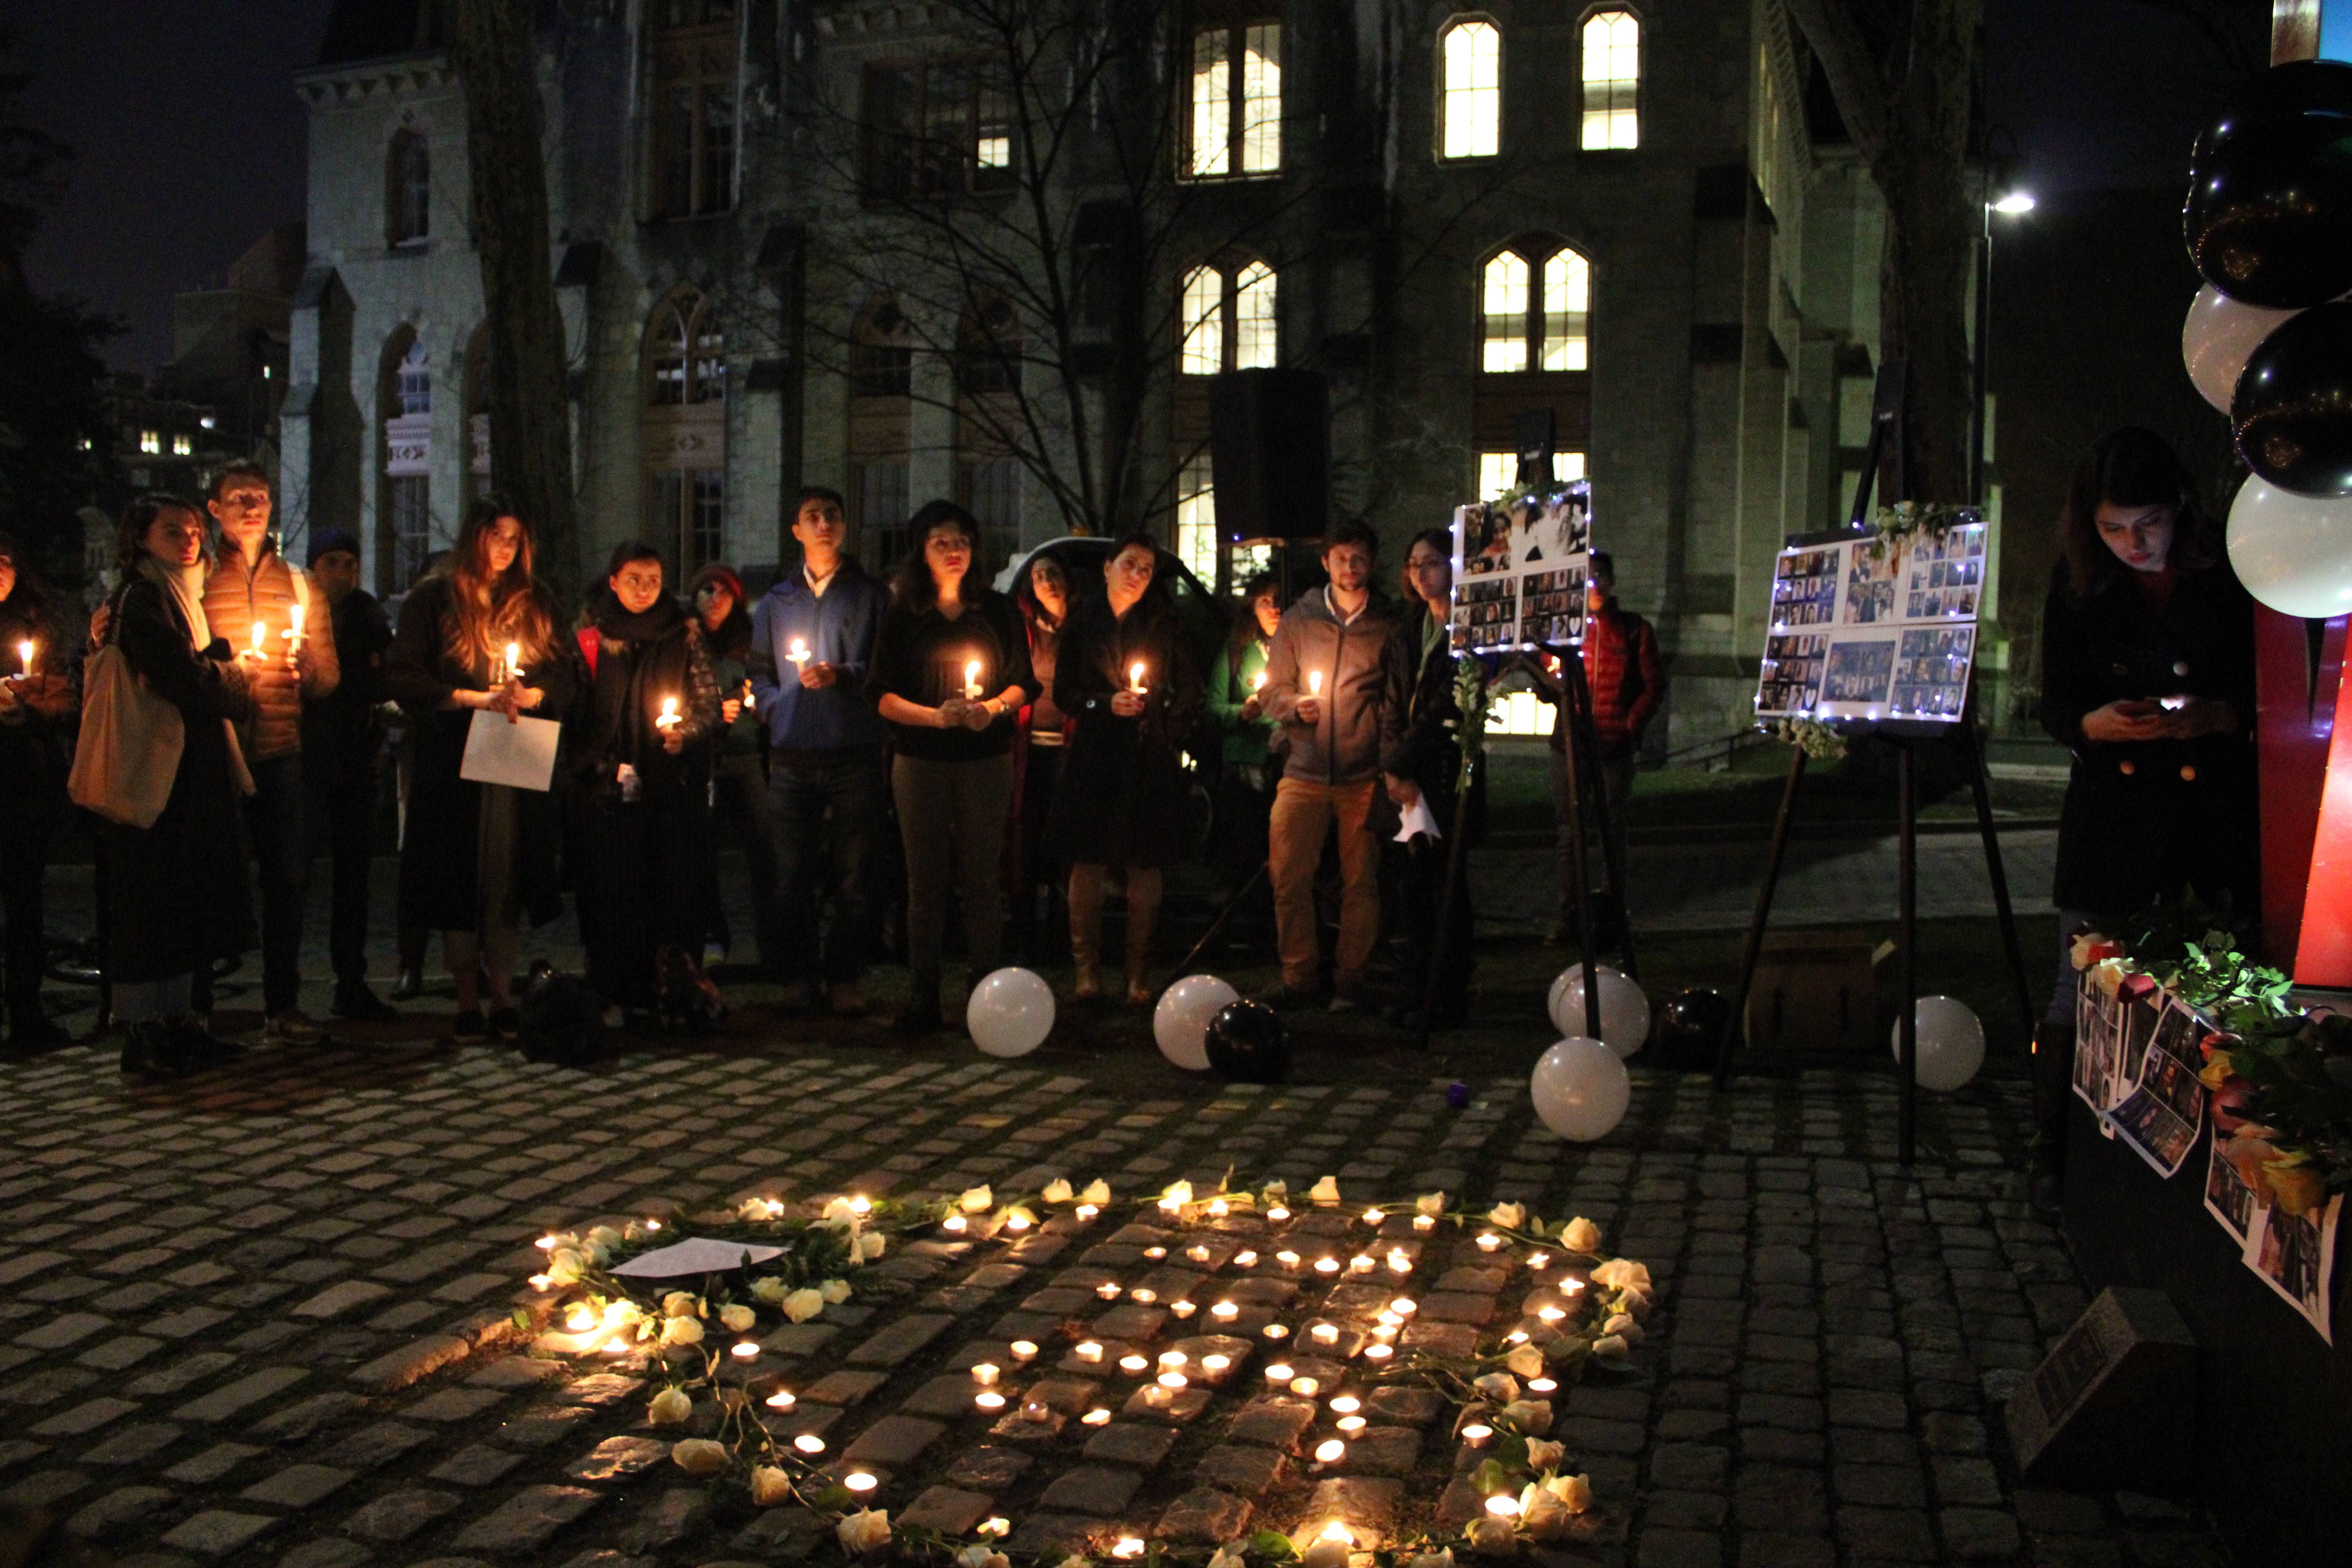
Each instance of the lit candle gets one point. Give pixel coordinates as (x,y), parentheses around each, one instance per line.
(1097,1417)
(1135,678)
(1306,1387)
(781,1400)
(1350,1424)
(1326,1265)
(746,1350)
(1476,1434)
(1314,683)
(971,680)
(1503,1506)
(860,1482)
(984,1375)
(1024,1350)
(1325,1333)
(799,651)
(1278,1373)
(1145,1295)
(1330,1451)
(1244,1260)
(1379,1353)
(1173,1380)
(988,1399)
(1090,1351)
(1488,1241)
(1134,1365)
(1257,681)
(1108,1290)
(668,714)
(514,661)
(259,631)
(1404,1306)
(1277,1214)
(1213,1364)
(809,1443)
(1274,1331)
(1183,1309)
(1173,1361)
(25,658)
(296,634)
(1226,1311)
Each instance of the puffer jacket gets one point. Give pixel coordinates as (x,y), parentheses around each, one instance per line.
(234,597)
(1343,746)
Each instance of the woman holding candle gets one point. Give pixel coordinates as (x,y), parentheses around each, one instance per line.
(475,858)
(38,700)
(739,794)
(1236,700)
(645,779)
(174,896)
(1126,678)
(1043,592)
(952,728)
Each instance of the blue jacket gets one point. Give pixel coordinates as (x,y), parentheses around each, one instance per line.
(837,629)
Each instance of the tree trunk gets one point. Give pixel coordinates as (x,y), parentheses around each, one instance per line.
(495,52)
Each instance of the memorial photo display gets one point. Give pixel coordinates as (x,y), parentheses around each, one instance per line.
(1519,568)
(1868,628)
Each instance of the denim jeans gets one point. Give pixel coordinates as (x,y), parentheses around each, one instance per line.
(827,816)
(273,820)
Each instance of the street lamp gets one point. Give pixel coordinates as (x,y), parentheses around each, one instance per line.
(2012,203)
(2009,204)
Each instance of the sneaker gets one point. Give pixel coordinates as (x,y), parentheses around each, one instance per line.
(847,998)
(469,1029)
(293,1027)
(1287,995)
(409,986)
(506,1023)
(361,1006)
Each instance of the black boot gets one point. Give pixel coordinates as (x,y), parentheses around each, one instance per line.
(199,1047)
(30,1029)
(2054,1083)
(922,1014)
(151,1050)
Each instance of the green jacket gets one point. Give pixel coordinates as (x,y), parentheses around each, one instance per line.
(1233,682)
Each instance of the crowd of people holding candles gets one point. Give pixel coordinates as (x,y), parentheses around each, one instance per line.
(1034,750)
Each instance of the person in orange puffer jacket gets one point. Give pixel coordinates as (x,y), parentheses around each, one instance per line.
(1621,670)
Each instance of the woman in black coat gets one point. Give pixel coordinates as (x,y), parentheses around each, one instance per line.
(38,699)
(175,893)
(643,769)
(475,858)
(1126,677)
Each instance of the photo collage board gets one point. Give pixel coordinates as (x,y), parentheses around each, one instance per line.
(1519,568)
(1868,628)
(2137,1056)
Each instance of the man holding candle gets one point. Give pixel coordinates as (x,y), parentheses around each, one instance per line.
(38,700)
(343,752)
(812,642)
(1323,691)
(254,597)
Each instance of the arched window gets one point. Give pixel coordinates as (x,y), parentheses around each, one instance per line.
(404,532)
(1612,81)
(1535,307)
(686,431)
(409,190)
(881,433)
(1236,120)
(1470,92)
(1226,317)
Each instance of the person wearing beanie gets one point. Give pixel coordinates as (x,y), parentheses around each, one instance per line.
(342,758)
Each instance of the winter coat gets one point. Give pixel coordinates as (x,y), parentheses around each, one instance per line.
(839,629)
(1620,670)
(343,731)
(1420,725)
(729,651)
(175,891)
(636,662)
(1343,747)
(1230,685)
(1122,799)
(234,597)
(2145,817)
(921,658)
(35,744)
(440,886)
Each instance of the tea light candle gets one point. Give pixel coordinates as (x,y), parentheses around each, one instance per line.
(1172,1380)
(1036,1411)
(1363,1263)
(1097,1417)
(1171,1360)
(985,1374)
(1325,1334)
(971,680)
(1108,1290)
(1024,1350)
(860,1482)
(809,1443)
(1183,1309)
(1213,1364)
(1218,1208)
(1244,1260)
(1326,1265)
(1017,1220)
(1277,1214)
(988,1399)
(1197,1254)
(1373,1218)
(1389,1320)
(1503,1506)
(1572,1286)
(1550,1314)
(1089,1350)
(1488,1241)
(1134,1365)
(1288,1259)
(1399,1261)
(1128,1546)
(1087,1212)
(781,1400)
(1330,1451)
(1145,1296)
(1476,1434)
(1539,1260)
(954,1224)
(1379,1353)
(1155,1253)
(1350,1424)
(1515,1337)
(1424,1222)
(1404,1306)
(1226,1311)
(1541,1386)
(1158,1398)
(746,1349)
(1345,1404)
(1278,1373)
(1000,1525)
(1275,1332)
(1306,1387)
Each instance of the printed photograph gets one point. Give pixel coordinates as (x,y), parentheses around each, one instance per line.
(1870,579)
(1859,671)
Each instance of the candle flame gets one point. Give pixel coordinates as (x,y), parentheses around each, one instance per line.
(1314,683)
(25,653)
(1135,675)
(259,631)
(514,658)
(1257,681)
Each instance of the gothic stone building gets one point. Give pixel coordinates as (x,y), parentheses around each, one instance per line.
(858,243)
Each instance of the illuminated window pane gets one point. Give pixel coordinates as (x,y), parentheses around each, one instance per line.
(1471,105)
(1254,325)
(710,365)
(1262,99)
(1567,304)
(1196,519)
(1212,104)
(1519,713)
(1504,301)
(151,441)
(1613,76)
(995,151)
(1497,473)
(182,447)
(1203,322)
(669,361)
(1568,464)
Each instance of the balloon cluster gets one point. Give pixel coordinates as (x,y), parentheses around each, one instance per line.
(2269,337)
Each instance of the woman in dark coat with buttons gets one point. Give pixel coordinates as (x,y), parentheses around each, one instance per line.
(2148,678)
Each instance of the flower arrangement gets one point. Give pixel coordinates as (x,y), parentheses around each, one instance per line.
(1588,1315)
(1821,742)
(1905,518)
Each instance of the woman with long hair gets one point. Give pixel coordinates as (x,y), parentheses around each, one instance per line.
(739,779)
(476,858)
(175,893)
(2148,678)
(951,669)
(1043,592)
(38,699)
(1245,782)
(1127,679)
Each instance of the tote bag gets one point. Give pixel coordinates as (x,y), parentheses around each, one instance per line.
(129,752)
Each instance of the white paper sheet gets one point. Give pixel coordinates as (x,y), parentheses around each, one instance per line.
(1418,818)
(695,1255)
(520,754)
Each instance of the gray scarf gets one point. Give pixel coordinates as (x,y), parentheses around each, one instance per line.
(186,586)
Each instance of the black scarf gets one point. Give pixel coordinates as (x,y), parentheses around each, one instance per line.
(642,660)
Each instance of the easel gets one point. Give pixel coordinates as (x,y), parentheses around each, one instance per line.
(1885,427)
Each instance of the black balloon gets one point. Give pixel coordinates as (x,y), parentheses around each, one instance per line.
(2293,408)
(1245,1044)
(1690,1030)
(2269,217)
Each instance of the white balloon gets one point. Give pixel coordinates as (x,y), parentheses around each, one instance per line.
(1181,1022)
(1951,1042)
(1624,1010)
(2218,337)
(1010,1014)
(2294,552)
(1580,1089)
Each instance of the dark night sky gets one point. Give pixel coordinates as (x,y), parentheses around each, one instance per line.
(191,139)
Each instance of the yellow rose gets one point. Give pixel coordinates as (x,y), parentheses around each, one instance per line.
(1430,1204)
(1619,1273)
(1057,1191)
(768,1288)
(1541,1515)
(680,1304)
(737,1316)
(1492,1537)
(770,1486)
(1326,1191)
(1531,1416)
(2299,1188)
(802,1304)
(670,1408)
(835,1291)
(1544,1455)
(1098,1193)
(1623,1326)
(1574,1492)
(976,1200)
(1510,1217)
(1179,1194)
(565,1265)
(1581,1234)
(1610,1347)
(1524,1360)
(681,1331)
(870,1246)
(2216,1071)
(868,1529)
(839,1210)
(1500,1386)
(700,1457)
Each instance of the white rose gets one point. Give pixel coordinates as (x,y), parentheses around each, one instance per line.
(1524,1360)
(1531,1416)
(1544,1455)
(870,1246)
(1078,1561)
(1179,1193)
(1635,1303)
(1625,1327)
(1227,1557)
(622,1314)
(680,1304)
(681,1331)
(1621,1273)
(1431,1204)
(1057,1191)
(982,1557)
(1492,1537)
(1500,1386)
(565,1265)
(753,1209)
(835,1291)
(839,1209)
(1510,1217)
(1575,1492)
(1098,1193)
(976,1200)
(802,1304)
(1610,1347)
(669,1407)
(1541,1515)
(770,1486)
(1326,1191)
(737,1316)
(605,1237)
(1276,1192)
(699,1456)
(768,1288)
(867,1529)
(1581,1234)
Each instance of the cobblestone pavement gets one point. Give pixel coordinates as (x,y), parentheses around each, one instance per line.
(264,1317)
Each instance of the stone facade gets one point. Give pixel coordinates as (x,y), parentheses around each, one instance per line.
(1732,263)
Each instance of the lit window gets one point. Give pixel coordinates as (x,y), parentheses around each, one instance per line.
(1499,472)
(1613,78)
(1196,518)
(1503,298)
(1204,323)
(1566,304)
(1522,327)
(1254,317)
(182,447)
(151,441)
(1227,317)
(944,129)
(1237,133)
(416,380)
(1471,105)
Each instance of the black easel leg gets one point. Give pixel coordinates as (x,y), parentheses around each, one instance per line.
(1995,873)
(1908,934)
(1754,948)
(1578,867)
(1216,926)
(1602,810)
